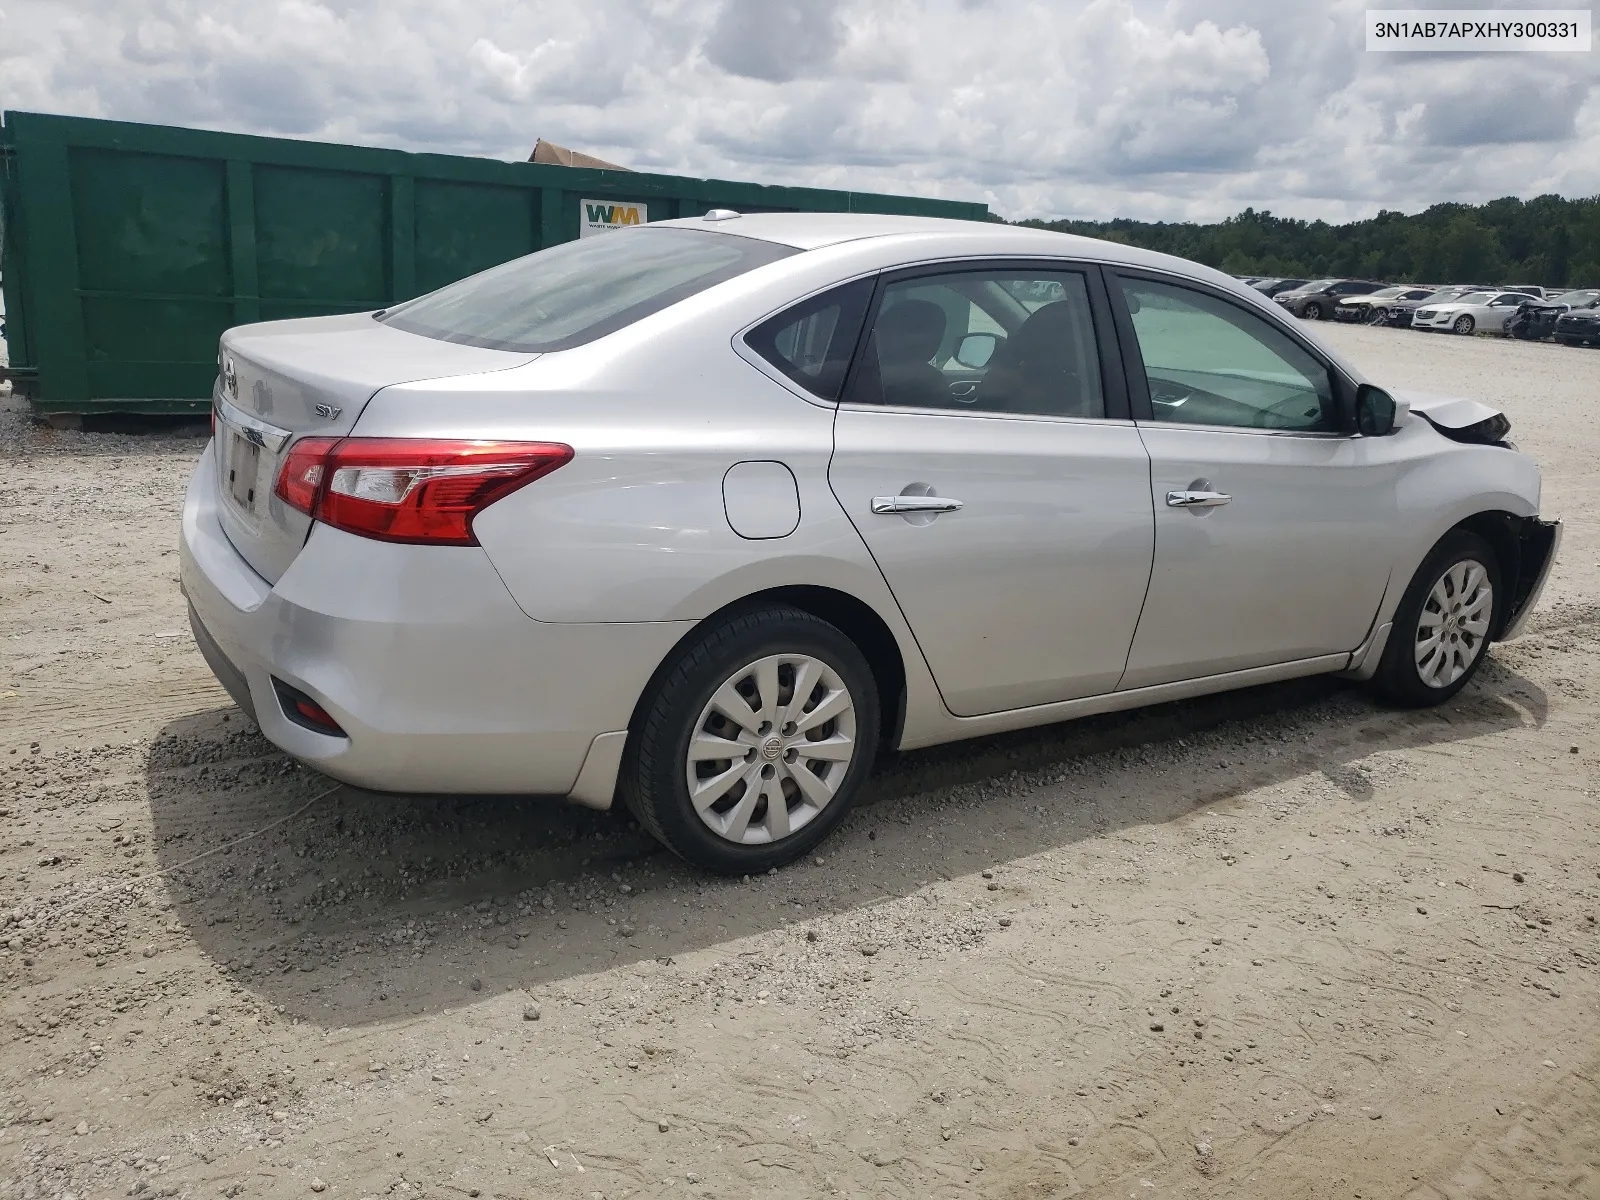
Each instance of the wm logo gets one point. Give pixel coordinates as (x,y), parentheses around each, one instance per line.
(612,214)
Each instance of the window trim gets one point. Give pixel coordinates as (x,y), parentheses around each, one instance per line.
(1138,382)
(750,355)
(1113,388)
(814,302)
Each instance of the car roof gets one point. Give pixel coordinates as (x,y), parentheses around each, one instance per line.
(812,231)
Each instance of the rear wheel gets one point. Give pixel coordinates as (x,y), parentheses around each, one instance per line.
(1442,627)
(1464,324)
(754,743)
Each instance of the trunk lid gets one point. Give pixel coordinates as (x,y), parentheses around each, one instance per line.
(286,379)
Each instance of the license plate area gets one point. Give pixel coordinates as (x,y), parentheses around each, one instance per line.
(242,472)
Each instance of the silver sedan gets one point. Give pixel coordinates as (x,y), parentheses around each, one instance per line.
(706,514)
(1472,313)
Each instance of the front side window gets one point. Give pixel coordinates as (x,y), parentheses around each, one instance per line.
(811,343)
(992,341)
(1210,362)
(578,291)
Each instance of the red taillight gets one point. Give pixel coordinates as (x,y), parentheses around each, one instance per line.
(301,477)
(418,490)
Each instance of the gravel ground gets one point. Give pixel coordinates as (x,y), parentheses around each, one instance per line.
(1285,943)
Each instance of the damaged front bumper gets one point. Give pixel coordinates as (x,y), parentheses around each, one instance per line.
(1537,544)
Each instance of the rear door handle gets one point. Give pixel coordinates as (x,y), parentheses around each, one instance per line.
(1187,499)
(888,505)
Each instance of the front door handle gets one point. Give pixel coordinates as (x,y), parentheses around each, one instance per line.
(1196,499)
(888,505)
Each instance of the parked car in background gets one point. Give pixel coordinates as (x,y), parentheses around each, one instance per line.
(1398,313)
(1367,308)
(1476,312)
(1316,301)
(1579,326)
(703,515)
(1271,287)
(1536,319)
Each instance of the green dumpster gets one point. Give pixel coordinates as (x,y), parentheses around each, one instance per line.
(126,250)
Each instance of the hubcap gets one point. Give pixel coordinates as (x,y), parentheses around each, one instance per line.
(770,748)
(1453,627)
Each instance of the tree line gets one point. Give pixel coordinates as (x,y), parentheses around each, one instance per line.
(1548,240)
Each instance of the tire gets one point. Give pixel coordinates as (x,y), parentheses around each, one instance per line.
(1569,341)
(1312,311)
(1464,324)
(1447,586)
(691,701)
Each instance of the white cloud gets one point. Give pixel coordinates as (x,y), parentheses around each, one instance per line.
(1175,109)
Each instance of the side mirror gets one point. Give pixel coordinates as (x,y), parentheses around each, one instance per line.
(976,349)
(1376,411)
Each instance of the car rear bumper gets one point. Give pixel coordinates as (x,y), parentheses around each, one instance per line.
(438,680)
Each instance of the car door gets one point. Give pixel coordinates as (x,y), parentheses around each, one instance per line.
(1500,310)
(1273,524)
(1007,505)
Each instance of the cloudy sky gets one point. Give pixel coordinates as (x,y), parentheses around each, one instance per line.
(1143,108)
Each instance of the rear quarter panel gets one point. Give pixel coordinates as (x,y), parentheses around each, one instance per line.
(634,529)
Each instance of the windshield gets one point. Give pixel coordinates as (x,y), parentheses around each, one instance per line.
(1318,286)
(1385,293)
(1473,298)
(579,291)
(1582,299)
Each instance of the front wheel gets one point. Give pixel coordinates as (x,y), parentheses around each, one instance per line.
(1313,311)
(755,741)
(1464,324)
(1441,629)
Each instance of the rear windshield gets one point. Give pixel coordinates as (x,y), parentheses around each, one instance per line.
(579,291)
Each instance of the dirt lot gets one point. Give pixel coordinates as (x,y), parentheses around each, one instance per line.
(1286,943)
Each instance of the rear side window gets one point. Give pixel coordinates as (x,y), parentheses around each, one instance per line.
(811,343)
(986,341)
(579,291)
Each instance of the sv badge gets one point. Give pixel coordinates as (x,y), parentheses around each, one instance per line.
(328,412)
